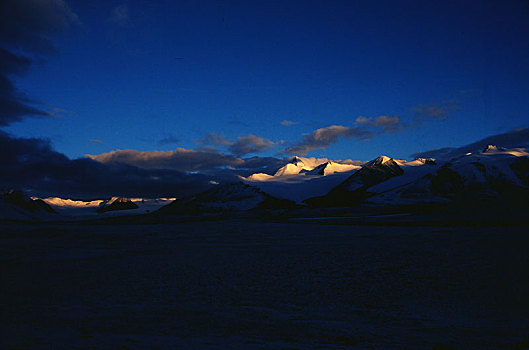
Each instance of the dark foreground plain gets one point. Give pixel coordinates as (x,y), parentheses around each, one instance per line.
(253,284)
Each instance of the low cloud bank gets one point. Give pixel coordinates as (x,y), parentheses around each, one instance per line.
(32,165)
(511,139)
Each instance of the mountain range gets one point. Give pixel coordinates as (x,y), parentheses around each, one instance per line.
(492,177)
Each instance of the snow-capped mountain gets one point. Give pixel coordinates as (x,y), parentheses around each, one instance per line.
(494,174)
(354,188)
(329,168)
(228,197)
(69,208)
(491,176)
(299,166)
(303,178)
(116,203)
(15,205)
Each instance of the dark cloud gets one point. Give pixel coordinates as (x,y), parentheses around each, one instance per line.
(181,159)
(426,112)
(267,165)
(438,153)
(209,162)
(322,138)
(214,139)
(30,25)
(249,144)
(168,140)
(13,64)
(242,146)
(26,27)
(511,139)
(32,165)
(368,127)
(385,123)
(15,105)
(96,141)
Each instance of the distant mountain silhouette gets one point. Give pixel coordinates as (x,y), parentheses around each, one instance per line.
(116,203)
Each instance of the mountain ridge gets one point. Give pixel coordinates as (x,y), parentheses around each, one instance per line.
(492,176)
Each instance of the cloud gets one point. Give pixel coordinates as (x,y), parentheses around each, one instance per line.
(32,165)
(120,15)
(57,112)
(15,105)
(27,28)
(511,139)
(249,144)
(322,138)
(96,141)
(242,146)
(213,163)
(168,140)
(181,159)
(438,153)
(368,127)
(427,112)
(385,123)
(30,25)
(215,139)
(287,122)
(365,129)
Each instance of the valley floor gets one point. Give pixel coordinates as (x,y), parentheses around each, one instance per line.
(254,284)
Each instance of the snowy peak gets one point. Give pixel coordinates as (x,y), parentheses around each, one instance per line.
(378,170)
(492,148)
(116,203)
(304,166)
(385,161)
(295,160)
(381,160)
(70,203)
(19,199)
(15,205)
(290,169)
(426,161)
(495,175)
(329,168)
(298,164)
(75,208)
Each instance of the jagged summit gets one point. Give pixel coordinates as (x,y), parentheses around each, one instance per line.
(380,160)
(116,203)
(427,161)
(295,160)
(493,148)
(21,200)
(304,166)
(297,165)
(331,167)
(16,205)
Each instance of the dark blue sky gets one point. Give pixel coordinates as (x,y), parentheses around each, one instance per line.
(397,77)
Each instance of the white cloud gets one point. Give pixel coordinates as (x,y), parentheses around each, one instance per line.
(287,122)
